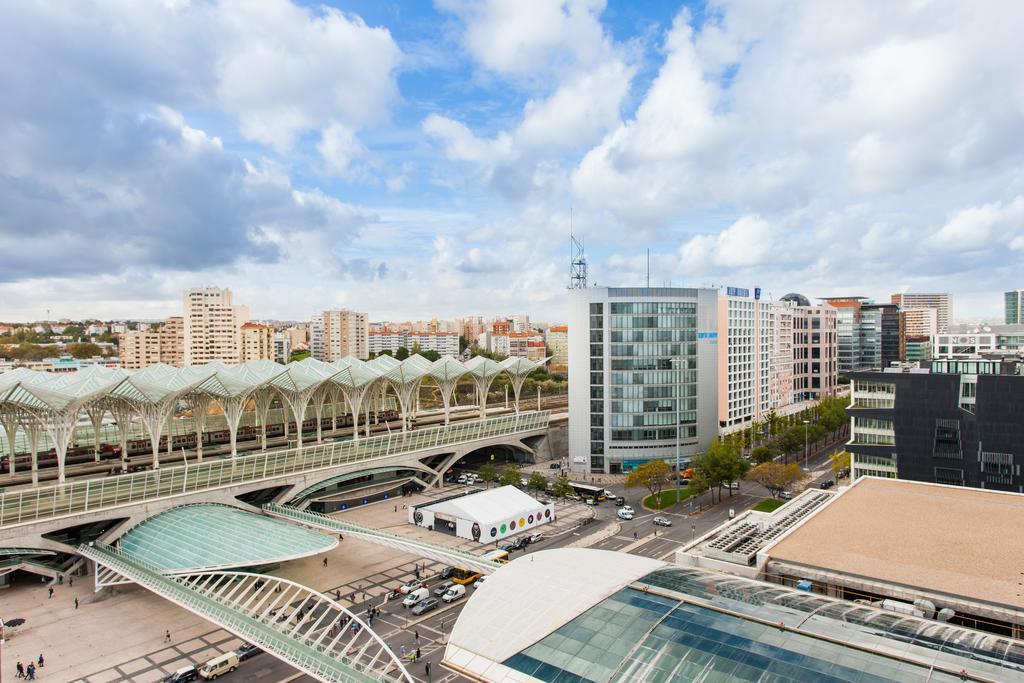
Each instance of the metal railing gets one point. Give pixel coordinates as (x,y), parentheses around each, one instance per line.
(47,502)
(460,558)
(280,639)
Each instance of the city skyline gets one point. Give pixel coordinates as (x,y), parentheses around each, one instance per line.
(855,156)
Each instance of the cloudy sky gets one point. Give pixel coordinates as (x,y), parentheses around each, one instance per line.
(414,159)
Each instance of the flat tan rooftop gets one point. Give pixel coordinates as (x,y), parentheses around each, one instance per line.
(960,541)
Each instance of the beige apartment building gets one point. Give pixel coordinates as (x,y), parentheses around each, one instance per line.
(557,339)
(140,348)
(940,302)
(257,342)
(212,326)
(340,333)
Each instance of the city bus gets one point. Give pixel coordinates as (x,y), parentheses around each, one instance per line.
(587,491)
(468,576)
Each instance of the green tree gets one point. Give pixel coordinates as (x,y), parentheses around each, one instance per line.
(840,460)
(510,475)
(463,344)
(791,441)
(431,355)
(562,487)
(762,454)
(721,464)
(386,352)
(537,482)
(76,332)
(84,350)
(652,475)
(402,353)
(776,477)
(416,348)
(298,355)
(488,472)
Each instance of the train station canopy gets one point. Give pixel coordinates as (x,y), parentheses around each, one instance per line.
(41,402)
(210,536)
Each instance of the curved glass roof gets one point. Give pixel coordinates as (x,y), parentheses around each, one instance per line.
(211,536)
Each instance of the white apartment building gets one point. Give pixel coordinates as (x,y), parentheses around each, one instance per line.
(316,337)
(556,338)
(282,346)
(940,302)
(444,343)
(212,325)
(344,333)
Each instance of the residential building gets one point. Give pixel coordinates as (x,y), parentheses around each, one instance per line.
(918,326)
(521,323)
(298,335)
(471,328)
(940,302)
(556,338)
(344,333)
(444,343)
(148,346)
(212,326)
(257,342)
(815,365)
(316,337)
(955,422)
(973,341)
(1014,302)
(282,346)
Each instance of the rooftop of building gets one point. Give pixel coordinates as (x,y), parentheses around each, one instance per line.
(581,614)
(986,328)
(959,541)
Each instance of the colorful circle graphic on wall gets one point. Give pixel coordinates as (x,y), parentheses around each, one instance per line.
(417,517)
(503,527)
(522,522)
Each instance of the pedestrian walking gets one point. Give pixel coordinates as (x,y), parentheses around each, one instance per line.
(416,633)
(426,670)
(30,673)
(50,589)
(396,508)
(325,561)
(20,668)
(71,581)
(417,653)
(76,603)
(403,656)
(40,661)
(634,536)
(167,636)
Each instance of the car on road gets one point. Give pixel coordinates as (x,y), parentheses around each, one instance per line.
(447,572)
(662,521)
(425,605)
(479,582)
(608,494)
(785,495)
(555,466)
(828,483)
(734,485)
(183,675)
(218,666)
(623,513)
(415,596)
(620,501)
(409,586)
(534,538)
(247,651)
(463,479)
(454,593)
(590,501)
(518,544)
(443,587)
(573,497)
(628,508)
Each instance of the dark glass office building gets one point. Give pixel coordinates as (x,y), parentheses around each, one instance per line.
(961,423)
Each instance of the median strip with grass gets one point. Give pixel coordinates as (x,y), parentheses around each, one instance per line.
(665,499)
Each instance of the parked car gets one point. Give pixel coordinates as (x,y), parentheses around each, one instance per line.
(409,586)
(533,538)
(555,466)
(218,666)
(415,596)
(454,593)
(828,483)
(519,543)
(247,651)
(625,514)
(590,501)
(425,605)
(662,521)
(734,485)
(479,582)
(573,496)
(785,495)
(620,501)
(183,675)
(443,587)
(463,479)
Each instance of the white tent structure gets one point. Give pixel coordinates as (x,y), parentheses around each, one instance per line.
(487,516)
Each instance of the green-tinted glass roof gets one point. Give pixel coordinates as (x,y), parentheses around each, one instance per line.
(207,536)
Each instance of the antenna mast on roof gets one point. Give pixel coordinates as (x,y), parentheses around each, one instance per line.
(577,262)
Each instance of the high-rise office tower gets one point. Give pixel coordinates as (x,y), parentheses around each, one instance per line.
(1014,303)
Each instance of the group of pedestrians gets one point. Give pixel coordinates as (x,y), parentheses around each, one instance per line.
(28,672)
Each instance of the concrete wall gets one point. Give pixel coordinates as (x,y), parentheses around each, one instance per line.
(556,445)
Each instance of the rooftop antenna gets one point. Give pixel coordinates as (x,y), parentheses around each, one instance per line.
(577,262)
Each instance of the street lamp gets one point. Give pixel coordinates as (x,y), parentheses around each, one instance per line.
(806,422)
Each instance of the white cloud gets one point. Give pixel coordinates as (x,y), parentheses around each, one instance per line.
(985,226)
(339,147)
(460,144)
(745,243)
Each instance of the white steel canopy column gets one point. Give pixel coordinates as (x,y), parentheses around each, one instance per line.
(446,373)
(518,369)
(483,371)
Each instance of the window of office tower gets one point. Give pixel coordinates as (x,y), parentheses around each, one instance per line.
(653,370)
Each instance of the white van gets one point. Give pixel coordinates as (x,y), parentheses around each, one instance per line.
(218,666)
(415,596)
(454,593)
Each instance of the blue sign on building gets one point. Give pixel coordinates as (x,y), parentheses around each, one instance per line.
(737,291)
(757,292)
(707,335)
